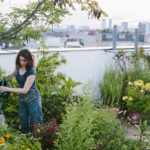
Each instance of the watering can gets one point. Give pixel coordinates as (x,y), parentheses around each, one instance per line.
(3,95)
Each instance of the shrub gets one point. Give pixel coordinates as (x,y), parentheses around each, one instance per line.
(128,67)
(138,96)
(46,134)
(55,88)
(86,127)
(111,87)
(75,130)
(10,107)
(11,139)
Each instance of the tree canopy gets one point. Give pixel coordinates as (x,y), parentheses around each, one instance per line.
(38,16)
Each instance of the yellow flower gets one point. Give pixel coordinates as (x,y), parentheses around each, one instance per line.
(147,87)
(2,140)
(142,91)
(7,136)
(28,149)
(130,98)
(124,98)
(139,83)
(130,83)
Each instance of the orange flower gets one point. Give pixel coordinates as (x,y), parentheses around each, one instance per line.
(2,140)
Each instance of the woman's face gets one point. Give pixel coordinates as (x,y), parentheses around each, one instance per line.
(23,61)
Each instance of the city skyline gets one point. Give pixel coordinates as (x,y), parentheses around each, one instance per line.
(118,11)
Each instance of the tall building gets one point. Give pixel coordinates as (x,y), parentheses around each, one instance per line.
(103,24)
(110,24)
(147,27)
(144,27)
(124,26)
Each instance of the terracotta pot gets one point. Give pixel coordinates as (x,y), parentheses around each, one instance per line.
(135,117)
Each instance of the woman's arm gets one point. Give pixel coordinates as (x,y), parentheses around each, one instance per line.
(24,90)
(11,74)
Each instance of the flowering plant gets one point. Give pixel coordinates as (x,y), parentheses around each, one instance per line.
(12,139)
(46,134)
(138,96)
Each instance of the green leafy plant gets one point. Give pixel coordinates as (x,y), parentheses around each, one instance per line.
(138,96)
(111,87)
(56,89)
(10,106)
(46,134)
(11,139)
(86,127)
(129,66)
(22,24)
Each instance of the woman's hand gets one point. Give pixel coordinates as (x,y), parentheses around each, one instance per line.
(2,89)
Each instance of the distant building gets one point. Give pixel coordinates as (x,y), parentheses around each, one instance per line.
(147,27)
(124,26)
(83,28)
(131,30)
(71,29)
(144,27)
(110,24)
(103,24)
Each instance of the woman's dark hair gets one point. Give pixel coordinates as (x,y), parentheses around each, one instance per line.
(27,55)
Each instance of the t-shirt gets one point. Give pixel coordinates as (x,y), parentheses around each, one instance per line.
(21,79)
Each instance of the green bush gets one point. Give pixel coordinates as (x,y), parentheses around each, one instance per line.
(86,127)
(11,139)
(135,66)
(10,105)
(75,130)
(56,90)
(111,87)
(128,67)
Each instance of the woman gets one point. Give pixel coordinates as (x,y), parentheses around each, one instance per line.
(29,96)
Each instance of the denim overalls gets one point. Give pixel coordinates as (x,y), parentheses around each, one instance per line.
(30,107)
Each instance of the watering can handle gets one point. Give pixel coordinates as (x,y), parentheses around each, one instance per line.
(3,80)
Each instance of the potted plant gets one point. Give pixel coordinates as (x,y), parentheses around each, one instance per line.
(137,100)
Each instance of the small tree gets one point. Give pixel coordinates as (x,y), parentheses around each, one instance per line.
(21,24)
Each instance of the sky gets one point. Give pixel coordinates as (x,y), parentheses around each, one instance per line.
(133,11)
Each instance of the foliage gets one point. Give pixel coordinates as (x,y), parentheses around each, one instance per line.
(134,66)
(138,96)
(75,131)
(55,88)
(10,106)
(11,139)
(86,127)
(111,87)
(35,17)
(131,144)
(46,134)
(1,72)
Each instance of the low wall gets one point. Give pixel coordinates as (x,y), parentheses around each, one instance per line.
(84,64)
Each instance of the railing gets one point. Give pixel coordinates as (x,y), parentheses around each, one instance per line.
(134,39)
